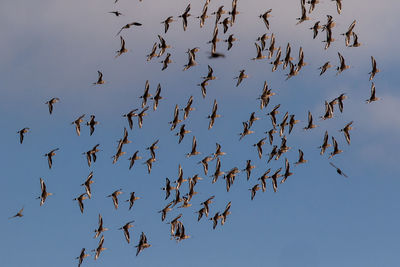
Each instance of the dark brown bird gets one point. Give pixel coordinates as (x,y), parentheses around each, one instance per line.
(127,26)
(339,171)
(51,102)
(92,123)
(21,133)
(50,157)
(125,228)
(132,200)
(44,193)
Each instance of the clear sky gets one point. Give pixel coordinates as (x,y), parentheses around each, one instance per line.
(317,217)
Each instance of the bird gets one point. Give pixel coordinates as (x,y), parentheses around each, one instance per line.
(234,11)
(125,228)
(99,248)
(91,154)
(225,23)
(166,61)
(324,67)
(44,193)
(325,143)
(215,219)
(213,115)
(339,171)
(315,28)
(99,79)
(51,102)
(77,123)
(301,159)
(50,156)
(142,244)
(193,152)
(374,70)
(336,149)
(287,171)
(87,184)
(310,124)
(149,164)
(116,13)
(274,178)
(165,210)
(259,146)
(340,99)
(182,132)
(218,13)
(203,15)
(230,41)
(265,17)
(91,123)
(157,97)
(132,199)
(100,228)
(254,190)
(312,5)
(153,148)
(246,130)
(338,6)
(272,115)
(80,201)
(188,108)
(349,33)
(191,60)
(21,133)
(122,50)
(292,122)
(248,168)
(114,197)
(133,159)
(225,213)
(372,98)
(259,53)
(342,65)
(184,17)
(303,16)
(265,95)
(19,214)
(218,171)
(356,43)
(129,116)
(168,188)
(153,52)
(204,162)
(166,23)
(346,130)
(240,78)
(127,26)
(175,119)
(263,179)
(140,116)
(203,85)
(81,256)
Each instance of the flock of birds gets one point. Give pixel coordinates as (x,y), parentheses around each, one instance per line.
(283,128)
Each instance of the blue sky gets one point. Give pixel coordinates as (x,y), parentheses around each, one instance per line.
(317,218)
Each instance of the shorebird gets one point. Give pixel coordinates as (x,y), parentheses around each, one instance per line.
(193,152)
(81,256)
(234,11)
(122,49)
(292,122)
(342,65)
(225,23)
(153,148)
(254,190)
(163,46)
(248,168)
(132,199)
(230,41)
(175,119)
(303,16)
(372,98)
(99,248)
(50,156)
(91,154)
(324,67)
(346,130)
(127,26)
(312,5)
(153,52)
(182,132)
(225,213)
(166,61)
(336,149)
(215,219)
(168,188)
(274,178)
(265,95)
(116,13)
(149,164)
(259,53)
(203,85)
(87,184)
(114,197)
(301,158)
(265,17)
(129,116)
(19,214)
(246,130)
(21,133)
(339,171)
(184,17)
(273,113)
(218,171)
(92,123)
(44,193)
(356,43)
(125,228)
(325,143)
(213,115)
(315,28)
(259,145)
(157,97)
(349,33)
(240,78)
(165,210)
(188,108)
(100,228)
(140,116)
(338,6)
(80,201)
(374,70)
(263,180)
(310,124)
(142,244)
(203,15)
(77,123)
(51,102)
(204,162)
(99,79)
(287,171)
(133,159)
(166,23)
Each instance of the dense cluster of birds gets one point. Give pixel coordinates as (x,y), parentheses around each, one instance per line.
(283,128)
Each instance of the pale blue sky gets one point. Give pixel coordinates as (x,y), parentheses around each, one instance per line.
(317,218)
